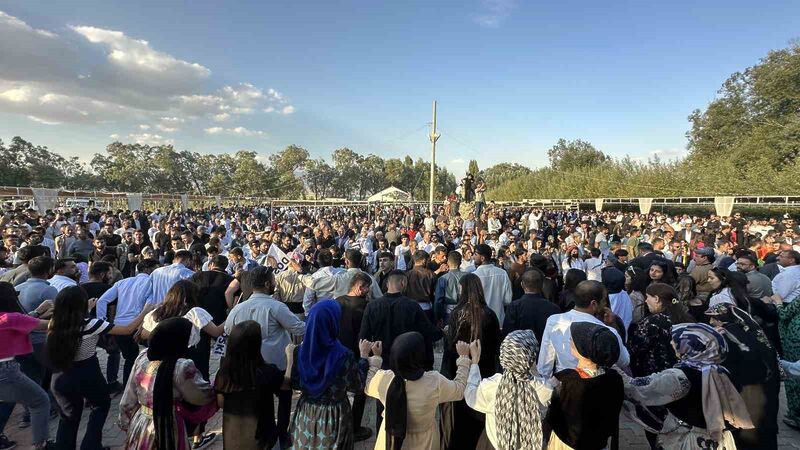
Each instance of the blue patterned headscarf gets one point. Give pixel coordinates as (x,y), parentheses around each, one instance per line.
(321,355)
(699,346)
(702,348)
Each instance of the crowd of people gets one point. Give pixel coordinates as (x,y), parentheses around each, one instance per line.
(551,324)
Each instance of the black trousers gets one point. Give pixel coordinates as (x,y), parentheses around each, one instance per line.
(359,402)
(130,350)
(83,380)
(284,410)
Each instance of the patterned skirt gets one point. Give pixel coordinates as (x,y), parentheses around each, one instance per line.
(322,425)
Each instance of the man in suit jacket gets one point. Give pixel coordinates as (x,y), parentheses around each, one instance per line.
(530,312)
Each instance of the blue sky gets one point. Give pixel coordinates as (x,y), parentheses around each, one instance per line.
(511,76)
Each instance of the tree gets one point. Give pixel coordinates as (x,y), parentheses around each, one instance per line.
(346,162)
(499,173)
(473,168)
(567,155)
(286,164)
(319,177)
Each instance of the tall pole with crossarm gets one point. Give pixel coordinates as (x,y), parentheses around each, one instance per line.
(434,137)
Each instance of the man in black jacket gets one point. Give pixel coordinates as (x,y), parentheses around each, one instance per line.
(392,315)
(530,312)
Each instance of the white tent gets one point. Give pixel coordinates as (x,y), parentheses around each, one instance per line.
(390,194)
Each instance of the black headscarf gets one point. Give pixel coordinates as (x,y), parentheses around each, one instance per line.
(595,342)
(168,342)
(407,363)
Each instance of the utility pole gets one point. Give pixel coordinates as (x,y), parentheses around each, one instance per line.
(434,137)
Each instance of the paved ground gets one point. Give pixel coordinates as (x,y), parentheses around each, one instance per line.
(631,435)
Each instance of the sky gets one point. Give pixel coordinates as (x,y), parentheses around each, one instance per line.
(511,77)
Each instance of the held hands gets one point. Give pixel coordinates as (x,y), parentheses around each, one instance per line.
(365,346)
(462,348)
(45,310)
(92,303)
(475,351)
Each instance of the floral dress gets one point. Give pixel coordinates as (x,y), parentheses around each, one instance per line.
(194,401)
(650,346)
(789,326)
(326,422)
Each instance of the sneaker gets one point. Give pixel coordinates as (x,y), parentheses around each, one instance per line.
(362,434)
(791,422)
(6,443)
(204,441)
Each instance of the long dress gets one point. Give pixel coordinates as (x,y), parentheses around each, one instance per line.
(423,396)
(789,327)
(326,422)
(680,391)
(244,408)
(461,426)
(193,397)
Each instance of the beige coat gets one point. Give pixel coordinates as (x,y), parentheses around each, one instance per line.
(424,395)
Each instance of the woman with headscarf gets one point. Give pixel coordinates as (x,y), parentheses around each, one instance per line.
(471,320)
(698,392)
(514,401)
(245,386)
(324,371)
(411,395)
(584,410)
(753,365)
(566,298)
(686,288)
(164,391)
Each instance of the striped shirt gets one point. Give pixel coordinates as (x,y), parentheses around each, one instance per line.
(165,277)
(90,334)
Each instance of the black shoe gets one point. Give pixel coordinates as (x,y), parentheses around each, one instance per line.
(362,434)
(114,389)
(204,441)
(25,422)
(6,443)
(49,445)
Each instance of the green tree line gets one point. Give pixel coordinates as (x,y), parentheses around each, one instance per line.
(289,173)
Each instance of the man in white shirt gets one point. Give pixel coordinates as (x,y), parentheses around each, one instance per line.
(555,354)
(339,284)
(495,281)
(65,271)
(786,285)
(166,277)
(594,266)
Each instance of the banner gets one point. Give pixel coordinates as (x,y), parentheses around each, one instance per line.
(184,202)
(45,199)
(723,205)
(598,204)
(134,201)
(645,204)
(281,258)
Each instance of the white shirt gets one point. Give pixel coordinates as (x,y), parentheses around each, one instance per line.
(310,297)
(724,296)
(429,223)
(480,395)
(556,341)
(594,269)
(166,277)
(60,282)
(197,315)
(786,284)
(399,257)
(622,306)
(496,288)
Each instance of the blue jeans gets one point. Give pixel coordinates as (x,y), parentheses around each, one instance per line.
(15,387)
(83,380)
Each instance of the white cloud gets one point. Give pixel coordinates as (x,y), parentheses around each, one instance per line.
(149,139)
(135,54)
(114,136)
(494,12)
(144,127)
(43,121)
(457,161)
(108,76)
(670,153)
(238,131)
